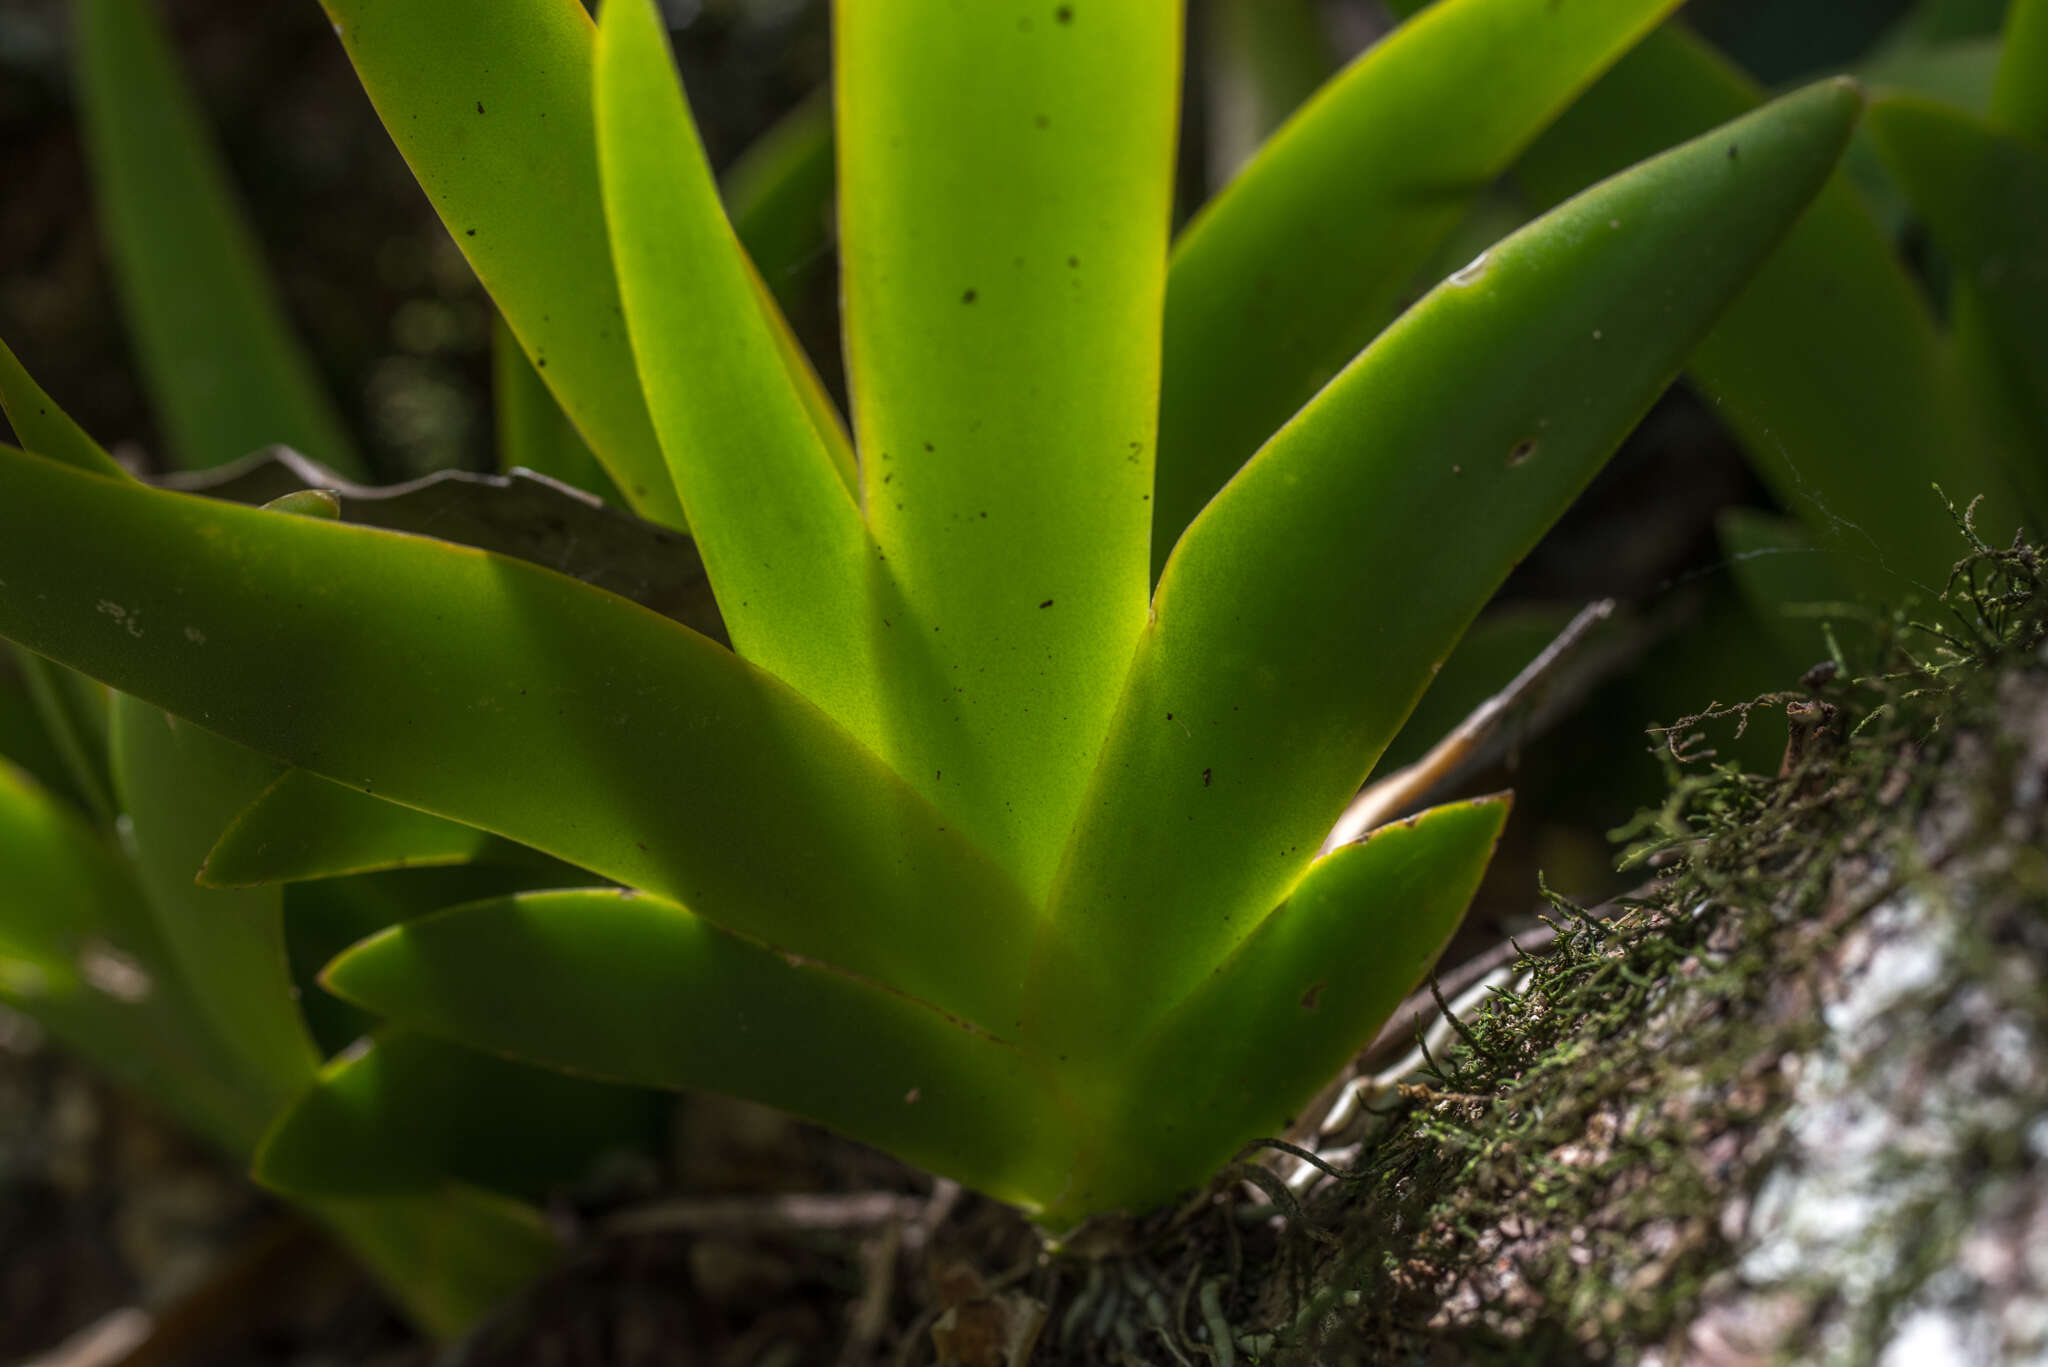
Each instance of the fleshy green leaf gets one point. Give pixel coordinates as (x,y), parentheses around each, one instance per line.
(222,364)
(779,196)
(503,696)
(178,785)
(450,1254)
(1308,606)
(44,428)
(1262,60)
(533,431)
(1984,195)
(303,827)
(776,523)
(1303,993)
(1303,258)
(324,917)
(2019,99)
(23,737)
(73,711)
(531,517)
(79,953)
(1005,177)
(489,101)
(1829,368)
(405,1110)
(634,989)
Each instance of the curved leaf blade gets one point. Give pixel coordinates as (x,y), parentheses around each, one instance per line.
(779,197)
(1984,195)
(1302,259)
(1310,604)
(1005,178)
(533,433)
(44,428)
(1829,368)
(489,101)
(781,536)
(403,1111)
(79,953)
(73,713)
(449,1255)
(179,785)
(634,989)
(2019,93)
(224,367)
(304,827)
(506,697)
(1255,1041)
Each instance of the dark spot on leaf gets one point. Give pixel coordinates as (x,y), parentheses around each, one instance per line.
(1046,604)
(1073,261)
(968,297)
(1734,151)
(1041,121)
(1205,777)
(472,232)
(540,362)
(927,446)
(1521,450)
(479,106)
(1065,14)
(1312,997)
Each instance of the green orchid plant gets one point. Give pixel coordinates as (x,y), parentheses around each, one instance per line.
(1850,385)
(992,839)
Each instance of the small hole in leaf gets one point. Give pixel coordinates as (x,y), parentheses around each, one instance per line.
(1521,450)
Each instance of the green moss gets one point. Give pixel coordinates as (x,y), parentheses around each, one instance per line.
(1555,1185)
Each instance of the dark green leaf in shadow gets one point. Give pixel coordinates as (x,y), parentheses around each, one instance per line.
(80,954)
(2019,98)
(1984,196)
(1829,367)
(224,368)
(449,1254)
(44,428)
(1302,259)
(323,918)
(532,430)
(178,785)
(24,740)
(636,990)
(304,827)
(73,713)
(403,1110)
(779,197)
